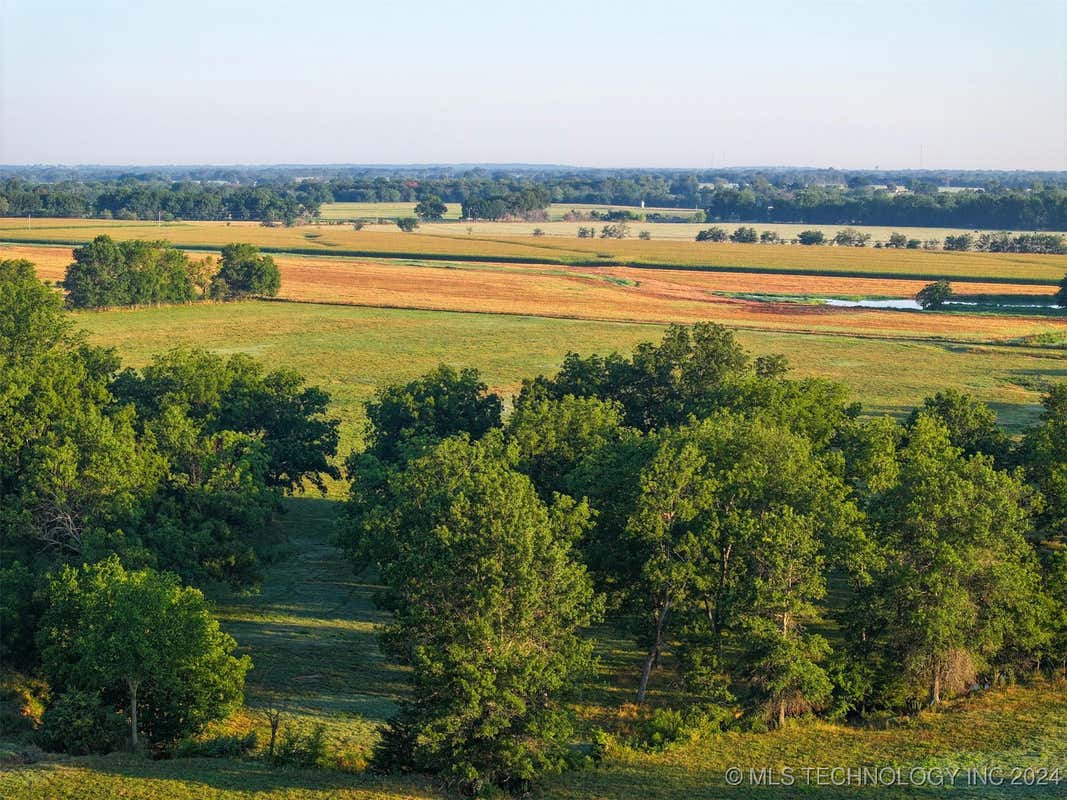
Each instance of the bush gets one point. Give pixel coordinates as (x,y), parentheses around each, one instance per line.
(302,750)
(22,702)
(79,723)
(217,747)
(811,237)
(663,727)
(407,224)
(645,235)
(586,233)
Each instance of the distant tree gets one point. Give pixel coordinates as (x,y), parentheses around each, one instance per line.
(811,237)
(110,273)
(430,208)
(538,231)
(850,237)
(897,240)
(245,273)
(768,237)
(963,241)
(107,629)
(712,234)
(915,244)
(407,224)
(934,295)
(615,230)
(586,233)
(1061,295)
(744,235)
(645,235)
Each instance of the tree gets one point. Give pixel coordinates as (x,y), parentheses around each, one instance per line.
(491,658)
(768,237)
(897,240)
(1061,295)
(971,424)
(236,394)
(744,235)
(615,230)
(712,234)
(108,273)
(934,295)
(406,419)
(430,208)
(958,586)
(407,224)
(1044,456)
(850,237)
(245,273)
(811,237)
(143,635)
(963,241)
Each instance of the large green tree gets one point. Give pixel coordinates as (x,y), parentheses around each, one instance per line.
(958,587)
(142,636)
(133,272)
(244,272)
(487,603)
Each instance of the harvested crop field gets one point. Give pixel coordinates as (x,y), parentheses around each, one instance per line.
(618,294)
(344,241)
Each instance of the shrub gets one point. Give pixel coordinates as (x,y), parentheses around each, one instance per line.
(645,235)
(407,224)
(302,750)
(586,233)
(79,723)
(217,747)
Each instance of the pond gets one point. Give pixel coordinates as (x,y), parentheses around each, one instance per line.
(910,305)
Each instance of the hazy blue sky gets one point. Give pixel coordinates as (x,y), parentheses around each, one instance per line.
(650,83)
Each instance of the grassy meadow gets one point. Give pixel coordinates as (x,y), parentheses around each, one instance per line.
(431,243)
(351,351)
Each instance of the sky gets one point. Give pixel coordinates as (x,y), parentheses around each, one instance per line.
(657,83)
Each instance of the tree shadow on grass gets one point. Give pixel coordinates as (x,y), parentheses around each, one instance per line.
(244,776)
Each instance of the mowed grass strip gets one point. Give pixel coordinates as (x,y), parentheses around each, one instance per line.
(343,240)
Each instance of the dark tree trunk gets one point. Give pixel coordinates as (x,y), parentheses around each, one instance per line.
(653,655)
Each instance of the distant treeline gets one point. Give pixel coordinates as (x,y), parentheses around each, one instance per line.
(977,200)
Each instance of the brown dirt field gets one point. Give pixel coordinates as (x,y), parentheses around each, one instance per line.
(587,295)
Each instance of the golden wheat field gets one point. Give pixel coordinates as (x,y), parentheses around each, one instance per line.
(344,240)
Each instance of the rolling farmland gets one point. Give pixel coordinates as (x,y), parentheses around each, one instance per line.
(341,240)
